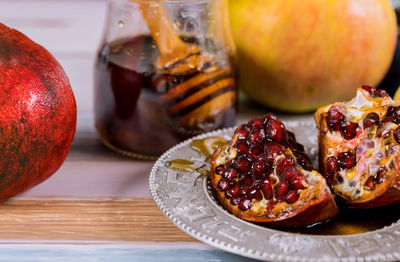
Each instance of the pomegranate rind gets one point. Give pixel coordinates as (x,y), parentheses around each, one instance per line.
(330,143)
(315,203)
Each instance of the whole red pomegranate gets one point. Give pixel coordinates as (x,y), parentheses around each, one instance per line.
(37,113)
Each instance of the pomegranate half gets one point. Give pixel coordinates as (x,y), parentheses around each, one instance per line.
(37,113)
(359,148)
(263,175)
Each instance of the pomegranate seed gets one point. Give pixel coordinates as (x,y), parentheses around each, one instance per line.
(380,175)
(285,162)
(381,93)
(332,166)
(282,188)
(271,151)
(298,182)
(276,131)
(346,160)
(242,132)
(241,147)
(290,172)
(348,129)
(369,89)
(257,135)
(243,164)
(388,119)
(266,188)
(396,135)
(233,191)
(291,197)
(230,173)
(270,206)
(370,185)
(256,122)
(219,170)
(370,120)
(254,192)
(246,181)
(259,167)
(243,190)
(254,150)
(223,184)
(244,204)
(391,111)
(333,118)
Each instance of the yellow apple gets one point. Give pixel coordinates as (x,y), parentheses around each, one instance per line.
(299,55)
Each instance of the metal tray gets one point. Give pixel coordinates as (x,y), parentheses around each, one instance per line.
(184,196)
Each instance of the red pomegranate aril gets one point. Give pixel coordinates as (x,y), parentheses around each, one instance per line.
(348,128)
(259,167)
(257,135)
(241,147)
(219,170)
(233,191)
(285,162)
(333,118)
(370,120)
(388,119)
(223,184)
(381,93)
(243,132)
(380,175)
(346,160)
(289,173)
(332,166)
(244,204)
(270,206)
(396,135)
(243,190)
(275,130)
(246,181)
(369,89)
(282,188)
(243,164)
(266,188)
(256,122)
(254,150)
(298,182)
(291,197)
(230,173)
(271,151)
(254,192)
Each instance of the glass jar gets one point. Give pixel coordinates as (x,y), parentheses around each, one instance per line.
(164,72)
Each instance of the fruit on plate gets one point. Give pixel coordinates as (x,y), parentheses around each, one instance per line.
(37,113)
(359,148)
(263,175)
(299,55)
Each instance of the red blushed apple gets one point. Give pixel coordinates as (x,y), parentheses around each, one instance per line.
(37,113)
(299,55)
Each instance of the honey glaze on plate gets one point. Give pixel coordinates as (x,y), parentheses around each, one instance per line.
(349,221)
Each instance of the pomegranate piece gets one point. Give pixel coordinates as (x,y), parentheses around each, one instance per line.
(362,161)
(272,181)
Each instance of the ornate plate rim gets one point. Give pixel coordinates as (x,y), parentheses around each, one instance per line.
(391,232)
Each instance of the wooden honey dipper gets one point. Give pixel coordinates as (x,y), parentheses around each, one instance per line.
(204,89)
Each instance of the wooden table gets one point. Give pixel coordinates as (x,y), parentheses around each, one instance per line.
(97,206)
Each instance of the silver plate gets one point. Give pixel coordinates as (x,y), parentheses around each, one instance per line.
(185,198)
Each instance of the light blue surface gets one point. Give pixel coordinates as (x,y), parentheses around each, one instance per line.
(22,253)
